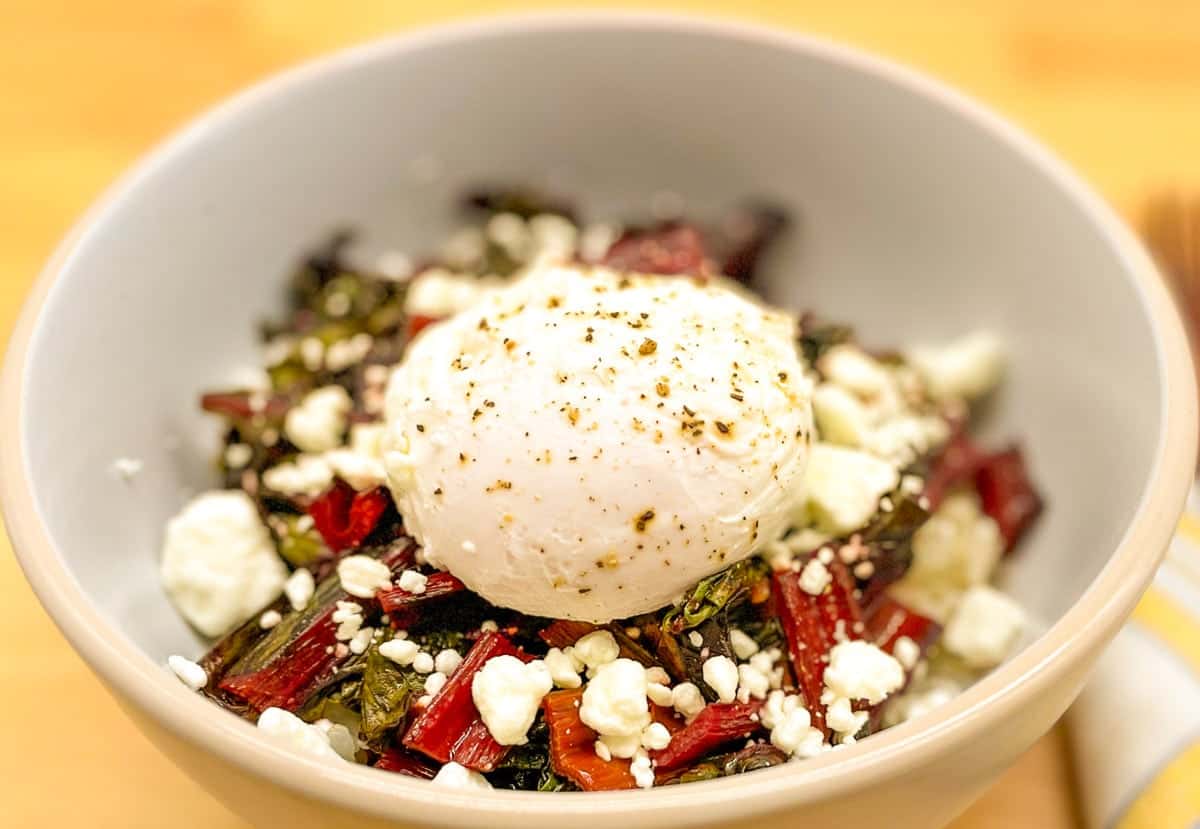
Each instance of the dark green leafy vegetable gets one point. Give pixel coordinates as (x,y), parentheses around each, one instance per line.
(714,594)
(889,541)
(300,547)
(817,338)
(387,693)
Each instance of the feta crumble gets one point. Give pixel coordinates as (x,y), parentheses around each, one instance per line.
(984,628)
(861,670)
(614,701)
(454,776)
(269,619)
(363,576)
(400,651)
(317,423)
(219,564)
(743,646)
(413,582)
(288,730)
(721,674)
(299,588)
(188,672)
(508,693)
(642,771)
(564,670)
(844,487)
(447,661)
(815,577)
(597,649)
(687,700)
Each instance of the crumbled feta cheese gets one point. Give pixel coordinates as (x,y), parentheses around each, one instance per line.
(447,661)
(778,554)
(400,651)
(412,581)
(602,750)
(423,663)
(595,240)
(288,730)
(984,628)
(658,675)
(967,368)
(791,726)
(312,353)
(219,564)
(435,682)
(269,619)
(127,468)
(363,576)
(841,417)
(844,487)
(454,776)
(238,455)
(362,640)
(815,577)
(721,674)
(348,617)
(345,353)
(753,682)
(655,737)
(438,293)
(489,626)
(188,672)
(844,720)
(306,475)
(317,423)
(957,547)
(642,771)
(853,369)
(511,234)
(743,646)
(508,693)
(907,652)
(563,669)
(361,471)
(861,670)
(553,237)
(660,694)
(614,701)
(687,699)
(621,747)
(597,649)
(299,588)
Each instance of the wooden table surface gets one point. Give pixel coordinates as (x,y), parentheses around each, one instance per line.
(89,85)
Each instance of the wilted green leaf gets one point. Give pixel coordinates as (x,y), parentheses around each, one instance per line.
(387,692)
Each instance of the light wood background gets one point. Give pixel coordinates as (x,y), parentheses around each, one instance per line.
(87,86)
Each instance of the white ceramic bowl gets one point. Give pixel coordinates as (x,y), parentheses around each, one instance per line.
(922,216)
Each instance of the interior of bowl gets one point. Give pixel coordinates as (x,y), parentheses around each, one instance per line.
(915,223)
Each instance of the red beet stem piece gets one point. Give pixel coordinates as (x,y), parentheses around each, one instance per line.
(417,323)
(716,725)
(563,633)
(345,518)
(888,620)
(452,717)
(405,762)
(240,405)
(437,585)
(286,680)
(281,683)
(1007,494)
(572,747)
(671,248)
(956,465)
(812,625)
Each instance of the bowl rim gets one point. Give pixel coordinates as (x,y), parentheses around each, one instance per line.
(136,679)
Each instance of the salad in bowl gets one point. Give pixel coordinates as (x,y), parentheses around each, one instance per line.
(565,505)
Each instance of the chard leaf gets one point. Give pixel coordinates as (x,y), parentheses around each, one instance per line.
(387,693)
(714,594)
